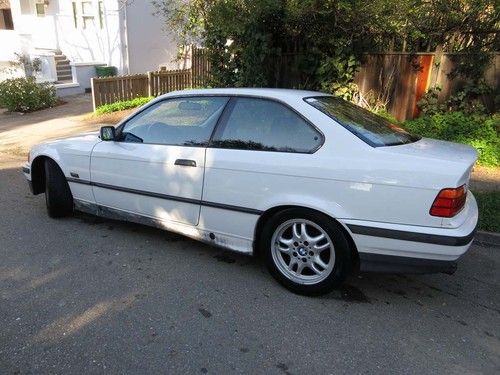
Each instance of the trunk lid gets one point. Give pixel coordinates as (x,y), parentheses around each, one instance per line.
(448,158)
(436,149)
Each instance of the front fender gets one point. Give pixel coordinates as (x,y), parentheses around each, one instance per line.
(72,155)
(36,171)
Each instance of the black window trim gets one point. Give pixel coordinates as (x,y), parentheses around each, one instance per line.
(227,107)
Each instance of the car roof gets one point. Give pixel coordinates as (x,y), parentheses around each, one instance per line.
(274,93)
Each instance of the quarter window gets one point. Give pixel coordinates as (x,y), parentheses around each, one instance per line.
(185,121)
(265,125)
(371,128)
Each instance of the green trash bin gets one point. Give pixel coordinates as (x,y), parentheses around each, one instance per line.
(105,71)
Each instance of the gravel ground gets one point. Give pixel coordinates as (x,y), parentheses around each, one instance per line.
(87,295)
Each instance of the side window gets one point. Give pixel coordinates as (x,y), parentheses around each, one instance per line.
(266,125)
(185,121)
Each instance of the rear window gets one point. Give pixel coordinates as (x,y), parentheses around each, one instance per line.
(371,128)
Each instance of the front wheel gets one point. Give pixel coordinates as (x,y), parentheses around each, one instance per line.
(57,193)
(306,251)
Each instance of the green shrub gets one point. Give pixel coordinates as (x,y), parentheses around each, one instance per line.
(122,105)
(489,207)
(478,130)
(105,71)
(469,100)
(389,117)
(26,95)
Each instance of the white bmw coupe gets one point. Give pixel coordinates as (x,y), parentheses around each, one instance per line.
(318,186)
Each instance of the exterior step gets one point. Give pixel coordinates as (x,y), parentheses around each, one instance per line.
(64,81)
(64,76)
(62,62)
(63,69)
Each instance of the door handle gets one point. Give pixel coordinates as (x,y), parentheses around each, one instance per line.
(185,162)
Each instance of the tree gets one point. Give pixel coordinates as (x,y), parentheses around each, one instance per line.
(320,43)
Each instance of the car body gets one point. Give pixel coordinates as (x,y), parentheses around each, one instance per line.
(229,160)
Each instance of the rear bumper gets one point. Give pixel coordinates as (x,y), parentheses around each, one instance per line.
(394,248)
(396,264)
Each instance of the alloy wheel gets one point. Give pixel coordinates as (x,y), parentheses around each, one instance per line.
(303,251)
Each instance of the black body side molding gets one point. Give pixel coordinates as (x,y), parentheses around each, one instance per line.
(434,239)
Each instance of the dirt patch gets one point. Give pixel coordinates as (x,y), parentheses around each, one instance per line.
(485,179)
(107,118)
(19,132)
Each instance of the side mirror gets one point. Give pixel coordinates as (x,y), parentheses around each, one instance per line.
(107,133)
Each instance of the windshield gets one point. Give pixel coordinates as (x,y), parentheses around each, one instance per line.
(371,128)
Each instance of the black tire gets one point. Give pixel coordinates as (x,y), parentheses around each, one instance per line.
(57,193)
(343,262)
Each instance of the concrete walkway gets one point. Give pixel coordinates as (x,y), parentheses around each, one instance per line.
(19,132)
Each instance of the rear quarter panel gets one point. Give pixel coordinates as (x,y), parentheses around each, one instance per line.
(342,187)
(345,179)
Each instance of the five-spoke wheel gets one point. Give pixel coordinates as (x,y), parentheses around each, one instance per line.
(303,251)
(306,251)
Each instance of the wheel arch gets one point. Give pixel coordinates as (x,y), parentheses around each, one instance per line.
(38,173)
(266,215)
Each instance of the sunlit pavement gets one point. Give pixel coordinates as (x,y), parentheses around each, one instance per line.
(88,295)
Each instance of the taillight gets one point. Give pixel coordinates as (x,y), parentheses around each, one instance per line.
(449,202)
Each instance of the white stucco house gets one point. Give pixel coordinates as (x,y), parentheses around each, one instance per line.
(71,37)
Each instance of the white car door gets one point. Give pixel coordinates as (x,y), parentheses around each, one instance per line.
(156,165)
(259,151)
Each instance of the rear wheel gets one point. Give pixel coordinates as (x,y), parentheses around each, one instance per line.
(306,251)
(57,193)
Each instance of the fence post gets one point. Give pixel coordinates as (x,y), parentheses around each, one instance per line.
(150,83)
(93,92)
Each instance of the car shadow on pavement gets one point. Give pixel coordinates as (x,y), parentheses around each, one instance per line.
(422,290)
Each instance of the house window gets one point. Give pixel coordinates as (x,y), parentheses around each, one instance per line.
(40,9)
(6,19)
(86,12)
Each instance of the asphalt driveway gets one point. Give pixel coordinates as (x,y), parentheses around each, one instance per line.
(88,295)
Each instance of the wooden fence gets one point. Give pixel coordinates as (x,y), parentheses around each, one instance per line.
(397,79)
(107,90)
(401,79)
(200,67)
(169,80)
